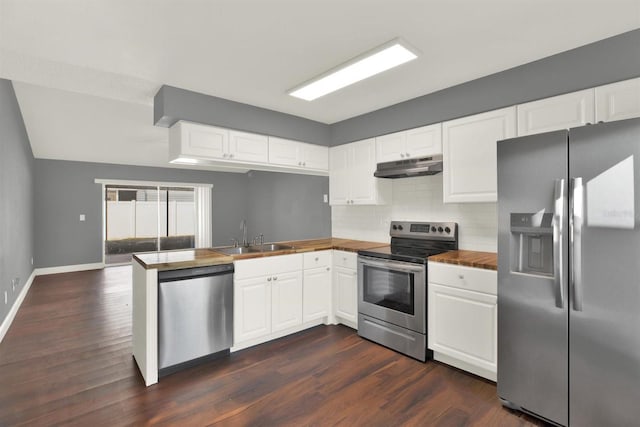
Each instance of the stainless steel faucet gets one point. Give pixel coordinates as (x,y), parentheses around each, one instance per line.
(243,227)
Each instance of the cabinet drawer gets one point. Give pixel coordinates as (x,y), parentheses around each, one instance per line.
(345,259)
(473,279)
(317,259)
(267,266)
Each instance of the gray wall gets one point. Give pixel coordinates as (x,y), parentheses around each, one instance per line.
(172,104)
(65,189)
(606,61)
(16,198)
(288,207)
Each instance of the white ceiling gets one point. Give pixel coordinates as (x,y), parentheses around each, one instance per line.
(85,71)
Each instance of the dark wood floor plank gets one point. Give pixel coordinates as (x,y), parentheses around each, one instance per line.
(66,361)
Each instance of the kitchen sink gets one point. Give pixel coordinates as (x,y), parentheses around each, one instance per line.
(270,247)
(237,250)
(267,247)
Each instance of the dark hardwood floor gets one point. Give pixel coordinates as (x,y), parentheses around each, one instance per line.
(66,360)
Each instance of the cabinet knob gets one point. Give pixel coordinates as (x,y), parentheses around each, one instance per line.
(268,279)
(461,276)
(402,155)
(344,258)
(231,155)
(224,155)
(275,278)
(317,258)
(299,163)
(304,163)
(328,268)
(406,154)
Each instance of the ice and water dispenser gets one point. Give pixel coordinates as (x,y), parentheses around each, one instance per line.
(532,243)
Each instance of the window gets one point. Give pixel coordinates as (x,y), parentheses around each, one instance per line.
(143,218)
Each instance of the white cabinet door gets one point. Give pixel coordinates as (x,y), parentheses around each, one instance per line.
(390,147)
(363,165)
(339,185)
(424,141)
(316,293)
(463,325)
(351,180)
(286,300)
(346,294)
(198,140)
(555,113)
(252,308)
(314,156)
(283,152)
(469,155)
(618,101)
(248,147)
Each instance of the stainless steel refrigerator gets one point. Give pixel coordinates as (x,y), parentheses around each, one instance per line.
(569,274)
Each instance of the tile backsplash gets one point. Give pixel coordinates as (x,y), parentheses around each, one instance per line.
(419,199)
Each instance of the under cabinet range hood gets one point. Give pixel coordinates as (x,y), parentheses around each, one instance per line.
(410,167)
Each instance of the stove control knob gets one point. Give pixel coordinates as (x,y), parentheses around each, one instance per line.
(447,230)
(440,229)
(433,229)
(395,227)
(399,227)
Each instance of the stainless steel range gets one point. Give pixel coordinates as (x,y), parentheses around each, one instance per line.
(392,285)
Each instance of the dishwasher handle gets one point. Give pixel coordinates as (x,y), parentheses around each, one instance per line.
(193,273)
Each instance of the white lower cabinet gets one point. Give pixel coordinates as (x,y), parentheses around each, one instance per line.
(345,287)
(286,301)
(462,318)
(267,296)
(252,309)
(316,286)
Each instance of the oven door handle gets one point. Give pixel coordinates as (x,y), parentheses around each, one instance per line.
(391,265)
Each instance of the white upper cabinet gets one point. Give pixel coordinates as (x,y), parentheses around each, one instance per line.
(413,143)
(351,180)
(298,154)
(559,112)
(212,143)
(248,147)
(618,101)
(191,139)
(470,155)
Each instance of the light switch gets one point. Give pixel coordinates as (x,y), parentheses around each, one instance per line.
(82,217)
(326,198)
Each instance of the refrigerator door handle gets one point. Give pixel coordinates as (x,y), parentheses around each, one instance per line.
(558,232)
(575,224)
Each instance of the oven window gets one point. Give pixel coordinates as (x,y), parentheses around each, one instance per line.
(390,289)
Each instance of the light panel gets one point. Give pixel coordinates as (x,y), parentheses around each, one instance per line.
(376,61)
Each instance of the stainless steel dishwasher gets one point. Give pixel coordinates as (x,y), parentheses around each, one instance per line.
(195,315)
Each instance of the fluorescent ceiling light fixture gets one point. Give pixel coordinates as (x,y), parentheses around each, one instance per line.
(185,161)
(382,58)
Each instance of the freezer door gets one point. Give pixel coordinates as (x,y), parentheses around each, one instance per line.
(605,282)
(532,275)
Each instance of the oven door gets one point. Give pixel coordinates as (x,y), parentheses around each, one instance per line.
(393,291)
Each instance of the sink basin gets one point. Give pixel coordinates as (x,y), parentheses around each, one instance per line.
(238,250)
(269,247)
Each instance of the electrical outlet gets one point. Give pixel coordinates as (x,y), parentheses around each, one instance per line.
(325,198)
(14,283)
(83,217)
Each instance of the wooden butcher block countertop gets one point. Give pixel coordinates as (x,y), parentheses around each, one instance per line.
(173,260)
(486,260)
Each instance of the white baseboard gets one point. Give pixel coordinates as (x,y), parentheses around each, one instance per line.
(69,268)
(16,305)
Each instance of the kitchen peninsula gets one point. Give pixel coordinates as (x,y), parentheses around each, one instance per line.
(330,299)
